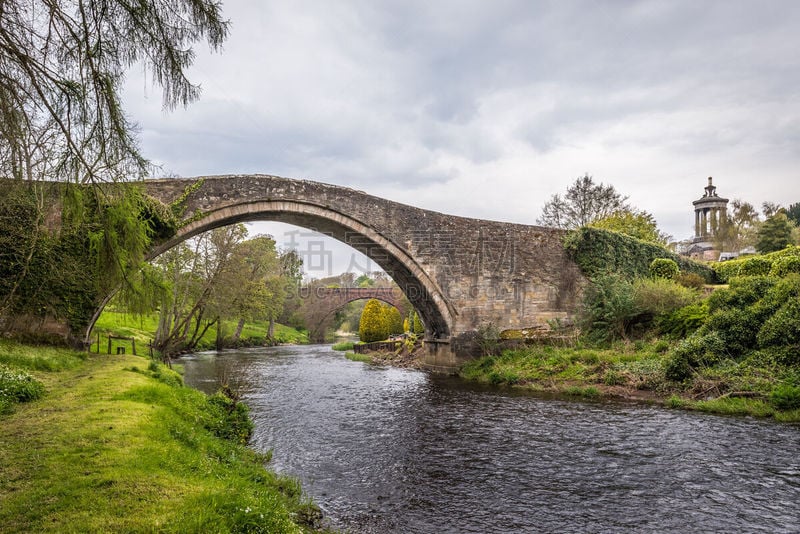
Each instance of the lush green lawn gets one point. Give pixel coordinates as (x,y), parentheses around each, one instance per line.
(118,445)
(142,328)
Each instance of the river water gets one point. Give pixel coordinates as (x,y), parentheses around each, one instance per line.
(393,450)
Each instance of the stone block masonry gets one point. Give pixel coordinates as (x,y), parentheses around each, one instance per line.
(459,273)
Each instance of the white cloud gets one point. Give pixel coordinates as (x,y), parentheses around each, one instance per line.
(486,109)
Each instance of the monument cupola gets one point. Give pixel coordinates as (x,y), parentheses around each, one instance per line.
(710,212)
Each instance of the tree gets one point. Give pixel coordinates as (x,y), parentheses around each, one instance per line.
(583,203)
(62,66)
(793,212)
(393,319)
(775,233)
(638,224)
(262,293)
(206,277)
(291,268)
(373,326)
(739,228)
(416,322)
(770,208)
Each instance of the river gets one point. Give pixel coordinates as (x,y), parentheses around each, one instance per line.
(394,450)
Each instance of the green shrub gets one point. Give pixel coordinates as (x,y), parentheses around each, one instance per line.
(729,269)
(785,265)
(783,328)
(690,280)
(725,270)
(684,321)
(660,296)
(692,353)
(755,266)
(664,268)
(785,397)
(609,308)
(17,386)
(784,290)
(162,373)
(737,327)
(741,293)
(344,345)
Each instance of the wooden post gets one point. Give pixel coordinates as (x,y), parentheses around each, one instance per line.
(109,344)
(133,343)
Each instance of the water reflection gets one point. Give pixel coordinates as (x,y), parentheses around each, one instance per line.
(391,450)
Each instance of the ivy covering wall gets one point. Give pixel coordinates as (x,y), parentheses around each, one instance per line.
(778,263)
(598,252)
(64,247)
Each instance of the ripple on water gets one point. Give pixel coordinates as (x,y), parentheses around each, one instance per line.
(393,450)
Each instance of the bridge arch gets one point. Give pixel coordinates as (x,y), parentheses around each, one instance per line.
(325,301)
(422,291)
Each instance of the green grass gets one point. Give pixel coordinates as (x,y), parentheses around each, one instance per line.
(39,358)
(366,358)
(118,445)
(143,328)
(587,392)
(756,386)
(564,365)
(344,345)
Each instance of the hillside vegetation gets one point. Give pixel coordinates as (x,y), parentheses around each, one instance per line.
(142,327)
(118,444)
(662,334)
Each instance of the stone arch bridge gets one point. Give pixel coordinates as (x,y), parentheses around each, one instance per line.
(459,273)
(326,300)
(331,299)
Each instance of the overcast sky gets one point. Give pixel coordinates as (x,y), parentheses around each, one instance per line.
(486,109)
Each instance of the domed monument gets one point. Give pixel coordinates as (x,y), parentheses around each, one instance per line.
(710,214)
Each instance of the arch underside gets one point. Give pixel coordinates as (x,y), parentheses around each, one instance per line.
(418,287)
(341,304)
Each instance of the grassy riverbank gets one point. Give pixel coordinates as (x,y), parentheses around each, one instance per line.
(636,371)
(117,444)
(143,327)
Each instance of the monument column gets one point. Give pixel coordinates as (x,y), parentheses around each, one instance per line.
(709,214)
(697,223)
(705,223)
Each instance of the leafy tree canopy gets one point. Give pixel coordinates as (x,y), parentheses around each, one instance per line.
(638,224)
(373,325)
(793,212)
(62,64)
(583,203)
(775,233)
(739,228)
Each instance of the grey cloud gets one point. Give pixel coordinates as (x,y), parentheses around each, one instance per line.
(416,95)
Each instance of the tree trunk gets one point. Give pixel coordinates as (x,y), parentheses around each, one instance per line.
(271,330)
(219,334)
(238,332)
